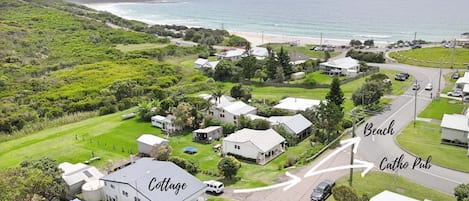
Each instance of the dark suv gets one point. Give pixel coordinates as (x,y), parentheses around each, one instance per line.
(322,191)
(402,76)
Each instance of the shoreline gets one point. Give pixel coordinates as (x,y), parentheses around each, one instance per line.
(255,38)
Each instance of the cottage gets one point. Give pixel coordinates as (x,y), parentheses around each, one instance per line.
(259,52)
(76,176)
(455,129)
(149,180)
(199,63)
(297,58)
(344,66)
(462,81)
(165,123)
(259,145)
(297,104)
(147,142)
(228,110)
(234,54)
(295,125)
(207,134)
(391,196)
(297,75)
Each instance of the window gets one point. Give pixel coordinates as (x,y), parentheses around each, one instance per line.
(112,186)
(234,117)
(136,199)
(237,147)
(125,194)
(222,115)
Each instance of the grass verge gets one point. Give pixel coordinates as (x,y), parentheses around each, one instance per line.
(424,141)
(433,57)
(437,108)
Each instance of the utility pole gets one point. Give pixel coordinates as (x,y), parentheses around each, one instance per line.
(262,37)
(452,53)
(439,84)
(353,145)
(415,37)
(415,101)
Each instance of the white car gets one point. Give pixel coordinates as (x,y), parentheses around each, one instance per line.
(214,186)
(429,87)
(455,93)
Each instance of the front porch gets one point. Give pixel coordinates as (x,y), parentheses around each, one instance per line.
(266,157)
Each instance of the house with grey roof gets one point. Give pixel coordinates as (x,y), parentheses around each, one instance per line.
(149,180)
(259,52)
(233,54)
(297,58)
(227,110)
(147,142)
(344,66)
(207,134)
(259,145)
(455,129)
(76,176)
(295,125)
(205,64)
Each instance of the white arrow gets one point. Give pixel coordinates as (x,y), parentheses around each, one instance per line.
(362,164)
(347,142)
(287,184)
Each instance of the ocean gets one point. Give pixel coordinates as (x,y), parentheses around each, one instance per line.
(381,20)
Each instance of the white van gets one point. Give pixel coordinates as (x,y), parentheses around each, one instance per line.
(214,186)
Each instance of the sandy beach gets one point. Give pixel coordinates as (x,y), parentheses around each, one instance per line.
(257,39)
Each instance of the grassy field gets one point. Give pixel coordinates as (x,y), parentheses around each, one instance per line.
(301,49)
(424,141)
(432,57)
(375,182)
(450,83)
(437,108)
(143,46)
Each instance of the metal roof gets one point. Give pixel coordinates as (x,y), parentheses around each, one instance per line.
(265,140)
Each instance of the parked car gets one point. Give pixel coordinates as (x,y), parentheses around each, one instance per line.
(214,186)
(416,46)
(400,77)
(429,87)
(322,191)
(455,93)
(455,75)
(416,86)
(465,99)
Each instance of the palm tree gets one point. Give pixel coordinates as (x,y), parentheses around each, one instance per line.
(217,94)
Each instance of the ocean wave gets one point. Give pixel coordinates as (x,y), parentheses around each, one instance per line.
(373,36)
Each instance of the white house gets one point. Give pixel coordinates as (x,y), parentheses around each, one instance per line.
(297,104)
(259,52)
(148,142)
(234,54)
(260,145)
(165,123)
(391,196)
(207,134)
(205,64)
(200,62)
(229,111)
(455,128)
(295,125)
(297,75)
(344,66)
(148,180)
(76,176)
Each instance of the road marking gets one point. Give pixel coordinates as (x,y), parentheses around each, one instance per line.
(288,184)
(441,177)
(362,164)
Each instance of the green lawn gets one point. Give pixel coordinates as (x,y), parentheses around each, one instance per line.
(432,57)
(437,108)
(424,141)
(143,46)
(450,83)
(301,49)
(375,182)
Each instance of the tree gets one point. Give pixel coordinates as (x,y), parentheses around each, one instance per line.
(327,55)
(328,124)
(228,166)
(166,104)
(344,193)
(261,74)
(279,75)
(284,61)
(50,168)
(271,65)
(148,109)
(161,153)
(462,192)
(217,93)
(369,43)
(242,92)
(335,94)
(368,94)
(183,114)
(355,42)
(248,65)
(223,71)
(26,184)
(260,124)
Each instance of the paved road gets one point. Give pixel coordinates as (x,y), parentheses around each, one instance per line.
(402,111)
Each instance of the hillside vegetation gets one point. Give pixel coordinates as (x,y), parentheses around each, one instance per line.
(54,62)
